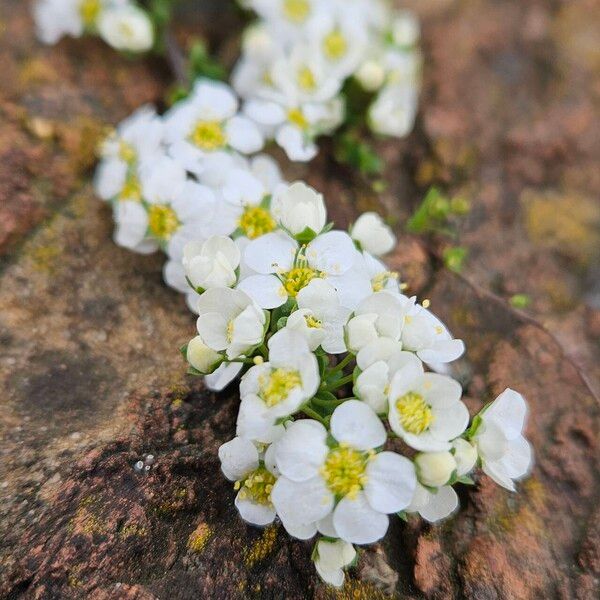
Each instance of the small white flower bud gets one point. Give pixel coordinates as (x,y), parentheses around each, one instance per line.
(373,234)
(361,330)
(297,207)
(371,75)
(435,468)
(465,455)
(200,356)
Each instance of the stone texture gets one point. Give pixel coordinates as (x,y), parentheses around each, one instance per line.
(92,382)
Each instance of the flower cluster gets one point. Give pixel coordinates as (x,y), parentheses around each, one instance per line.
(307,63)
(120,23)
(344,419)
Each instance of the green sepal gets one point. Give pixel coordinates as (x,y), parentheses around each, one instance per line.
(403,515)
(306,236)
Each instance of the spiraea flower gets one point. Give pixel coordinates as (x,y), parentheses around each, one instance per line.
(212,263)
(349,478)
(373,234)
(299,209)
(126,27)
(331,557)
(425,409)
(505,454)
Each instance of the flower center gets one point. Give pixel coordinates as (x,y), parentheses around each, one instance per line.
(335,45)
(296,10)
(306,79)
(296,117)
(313,322)
(257,486)
(89,11)
(276,387)
(415,413)
(298,278)
(380,280)
(344,470)
(208,135)
(229,331)
(256,221)
(127,152)
(131,190)
(163,221)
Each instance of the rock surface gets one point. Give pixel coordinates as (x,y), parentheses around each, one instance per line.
(92,381)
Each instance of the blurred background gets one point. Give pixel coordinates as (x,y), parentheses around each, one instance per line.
(92,382)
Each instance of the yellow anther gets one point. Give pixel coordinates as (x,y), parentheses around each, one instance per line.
(426,303)
(296,117)
(127,152)
(208,135)
(414,413)
(299,278)
(256,221)
(313,322)
(276,386)
(257,486)
(306,79)
(344,470)
(89,11)
(335,45)
(229,332)
(296,10)
(258,360)
(162,221)
(131,190)
(380,281)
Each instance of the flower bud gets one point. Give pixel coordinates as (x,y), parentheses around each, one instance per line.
(201,357)
(435,468)
(373,234)
(405,29)
(361,330)
(371,75)
(298,206)
(331,558)
(465,455)
(212,263)
(126,27)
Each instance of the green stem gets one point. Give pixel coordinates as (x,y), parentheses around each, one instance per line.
(313,414)
(328,403)
(340,366)
(339,383)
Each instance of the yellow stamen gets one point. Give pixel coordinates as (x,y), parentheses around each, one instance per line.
(296,10)
(127,152)
(344,470)
(380,280)
(415,414)
(306,79)
(313,322)
(257,486)
(162,221)
(256,221)
(229,332)
(298,278)
(208,135)
(296,117)
(335,45)
(276,386)
(89,11)
(131,190)
(426,303)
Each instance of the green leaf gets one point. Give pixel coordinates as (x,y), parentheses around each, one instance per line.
(433,210)
(281,323)
(201,64)
(455,257)
(183,351)
(357,153)
(403,515)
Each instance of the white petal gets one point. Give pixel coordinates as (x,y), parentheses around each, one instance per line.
(266,290)
(509,412)
(213,329)
(271,253)
(357,523)
(443,351)
(244,135)
(301,502)
(355,423)
(302,450)
(517,461)
(238,457)
(391,482)
(296,146)
(254,513)
(440,505)
(223,376)
(449,423)
(301,531)
(332,252)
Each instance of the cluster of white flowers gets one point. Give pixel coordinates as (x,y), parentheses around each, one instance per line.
(120,23)
(300,59)
(336,363)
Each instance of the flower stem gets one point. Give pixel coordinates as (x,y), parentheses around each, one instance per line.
(339,383)
(313,414)
(340,366)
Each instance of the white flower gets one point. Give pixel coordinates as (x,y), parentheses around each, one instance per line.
(425,409)
(136,140)
(380,277)
(405,29)
(277,388)
(434,506)
(241,462)
(350,480)
(211,263)
(126,27)
(379,315)
(225,373)
(284,268)
(56,18)
(298,207)
(229,321)
(465,455)
(206,124)
(435,468)
(331,558)
(378,362)
(201,357)
(505,454)
(131,228)
(373,234)
(394,110)
(424,334)
(287,18)
(320,318)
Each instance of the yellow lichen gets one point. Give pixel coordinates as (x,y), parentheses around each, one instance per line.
(199,537)
(262,547)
